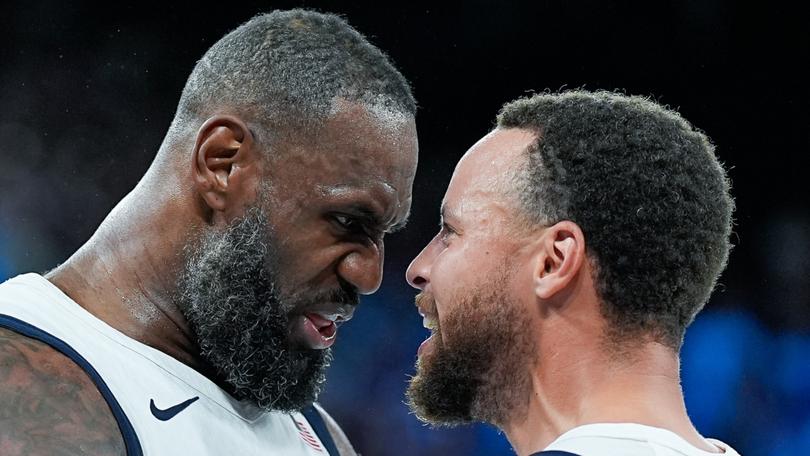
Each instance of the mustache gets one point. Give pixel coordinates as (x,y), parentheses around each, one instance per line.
(345,298)
(346,295)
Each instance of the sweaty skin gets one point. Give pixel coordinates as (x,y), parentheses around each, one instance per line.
(360,170)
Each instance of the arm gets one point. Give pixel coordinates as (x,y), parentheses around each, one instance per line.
(49,406)
(341,441)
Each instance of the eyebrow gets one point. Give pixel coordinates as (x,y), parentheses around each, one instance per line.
(373,218)
(446,212)
(400,224)
(366,211)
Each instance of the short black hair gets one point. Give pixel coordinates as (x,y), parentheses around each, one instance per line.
(286,68)
(649,194)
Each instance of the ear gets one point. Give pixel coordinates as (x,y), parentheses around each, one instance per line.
(225,163)
(559,258)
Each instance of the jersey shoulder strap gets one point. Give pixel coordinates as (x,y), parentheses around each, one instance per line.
(316,421)
(554,453)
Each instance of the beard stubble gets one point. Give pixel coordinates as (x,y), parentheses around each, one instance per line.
(229,292)
(478,368)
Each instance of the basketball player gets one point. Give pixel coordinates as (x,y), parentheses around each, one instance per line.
(578,240)
(198,318)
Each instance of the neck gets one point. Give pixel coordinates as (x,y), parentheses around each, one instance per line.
(585,386)
(126,274)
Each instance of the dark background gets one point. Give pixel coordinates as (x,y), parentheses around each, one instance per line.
(87,93)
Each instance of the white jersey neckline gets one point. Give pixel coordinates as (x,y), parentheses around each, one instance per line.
(641,433)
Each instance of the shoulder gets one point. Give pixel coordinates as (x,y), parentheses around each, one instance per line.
(726,448)
(609,439)
(50,405)
(627,439)
(341,441)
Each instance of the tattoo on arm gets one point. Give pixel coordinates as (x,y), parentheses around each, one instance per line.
(48,404)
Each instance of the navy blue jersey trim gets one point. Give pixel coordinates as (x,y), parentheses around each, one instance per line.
(127,431)
(316,421)
(553,453)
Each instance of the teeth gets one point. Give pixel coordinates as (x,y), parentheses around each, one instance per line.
(430,324)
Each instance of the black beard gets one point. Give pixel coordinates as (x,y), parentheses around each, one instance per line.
(229,294)
(478,368)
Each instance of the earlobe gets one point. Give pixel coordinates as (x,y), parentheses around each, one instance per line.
(559,258)
(223,142)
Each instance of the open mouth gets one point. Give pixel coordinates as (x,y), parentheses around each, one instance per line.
(433,325)
(315,330)
(424,346)
(326,327)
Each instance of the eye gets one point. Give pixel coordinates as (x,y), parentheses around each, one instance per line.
(348,223)
(446,233)
(354,226)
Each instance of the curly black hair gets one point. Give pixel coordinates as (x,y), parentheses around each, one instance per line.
(285,68)
(648,193)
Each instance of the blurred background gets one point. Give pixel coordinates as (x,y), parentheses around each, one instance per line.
(87,92)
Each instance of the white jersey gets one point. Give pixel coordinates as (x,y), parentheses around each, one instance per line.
(162,406)
(628,439)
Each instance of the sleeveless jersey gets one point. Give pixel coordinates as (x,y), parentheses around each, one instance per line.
(627,439)
(162,406)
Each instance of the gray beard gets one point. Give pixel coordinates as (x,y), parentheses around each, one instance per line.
(229,294)
(478,368)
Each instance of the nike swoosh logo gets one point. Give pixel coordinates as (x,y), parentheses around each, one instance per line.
(171,412)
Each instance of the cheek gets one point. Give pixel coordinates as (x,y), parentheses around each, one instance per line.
(310,261)
(302,235)
(445,272)
(462,270)
(461,265)
(454,273)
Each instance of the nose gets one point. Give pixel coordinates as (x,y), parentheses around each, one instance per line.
(363,268)
(418,272)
